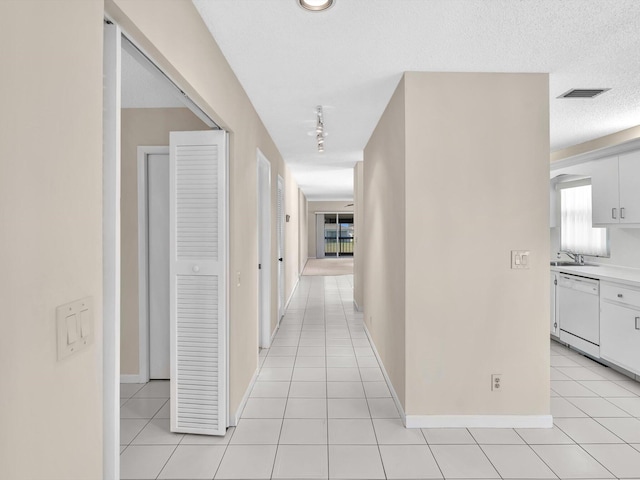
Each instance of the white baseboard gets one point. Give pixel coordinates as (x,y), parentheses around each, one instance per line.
(460,421)
(479,421)
(131,379)
(293,290)
(234,418)
(358,307)
(394,395)
(273,335)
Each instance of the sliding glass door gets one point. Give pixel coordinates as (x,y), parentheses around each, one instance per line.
(338,234)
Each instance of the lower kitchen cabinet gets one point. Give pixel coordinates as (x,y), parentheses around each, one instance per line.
(620,327)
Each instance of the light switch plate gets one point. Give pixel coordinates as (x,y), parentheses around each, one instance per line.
(74,322)
(520,259)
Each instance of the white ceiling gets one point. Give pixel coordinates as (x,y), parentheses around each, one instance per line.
(349,59)
(144,89)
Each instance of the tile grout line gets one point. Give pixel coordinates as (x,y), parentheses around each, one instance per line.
(373,427)
(431,450)
(167,461)
(286,403)
(485,453)
(536,453)
(326,369)
(580,445)
(586,451)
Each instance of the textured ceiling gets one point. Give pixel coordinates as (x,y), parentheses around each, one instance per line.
(350,58)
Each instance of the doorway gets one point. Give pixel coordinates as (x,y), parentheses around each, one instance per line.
(153,262)
(115,44)
(264,251)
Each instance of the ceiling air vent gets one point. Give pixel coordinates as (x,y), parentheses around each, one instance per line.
(583,92)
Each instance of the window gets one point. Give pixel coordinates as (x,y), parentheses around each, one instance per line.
(576,233)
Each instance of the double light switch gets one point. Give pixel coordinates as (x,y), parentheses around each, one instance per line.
(74,323)
(520,259)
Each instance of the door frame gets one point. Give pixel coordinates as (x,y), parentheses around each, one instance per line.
(144,351)
(112,51)
(264,249)
(115,39)
(280,246)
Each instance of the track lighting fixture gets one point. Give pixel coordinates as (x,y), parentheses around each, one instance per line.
(320,133)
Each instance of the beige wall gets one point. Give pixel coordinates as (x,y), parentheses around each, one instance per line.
(469,203)
(382,238)
(51,236)
(292,234)
(327,206)
(140,127)
(474,186)
(358,218)
(303,237)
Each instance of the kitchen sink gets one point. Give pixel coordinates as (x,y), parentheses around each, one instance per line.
(569,264)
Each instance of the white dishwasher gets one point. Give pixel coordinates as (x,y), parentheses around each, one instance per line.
(579,312)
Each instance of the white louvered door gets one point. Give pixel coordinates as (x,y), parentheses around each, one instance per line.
(198,282)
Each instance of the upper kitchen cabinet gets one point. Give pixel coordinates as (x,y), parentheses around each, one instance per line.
(615,187)
(605,192)
(629,173)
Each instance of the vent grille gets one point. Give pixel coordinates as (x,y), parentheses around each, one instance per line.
(583,92)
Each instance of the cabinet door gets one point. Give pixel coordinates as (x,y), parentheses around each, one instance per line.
(629,168)
(554,328)
(620,336)
(604,192)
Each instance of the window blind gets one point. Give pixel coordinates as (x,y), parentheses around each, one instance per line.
(576,232)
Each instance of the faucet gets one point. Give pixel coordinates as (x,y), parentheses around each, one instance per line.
(576,257)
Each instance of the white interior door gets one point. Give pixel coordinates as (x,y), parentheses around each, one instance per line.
(198,280)
(280,240)
(158,264)
(264,250)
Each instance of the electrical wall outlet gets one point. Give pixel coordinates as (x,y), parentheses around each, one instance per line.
(496,382)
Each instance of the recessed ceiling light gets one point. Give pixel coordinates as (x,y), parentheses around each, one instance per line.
(315,5)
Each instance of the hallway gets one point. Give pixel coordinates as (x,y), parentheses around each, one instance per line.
(320,409)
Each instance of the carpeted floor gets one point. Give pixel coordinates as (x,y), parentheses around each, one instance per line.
(328,266)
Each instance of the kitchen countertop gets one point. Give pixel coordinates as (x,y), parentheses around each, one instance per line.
(611,273)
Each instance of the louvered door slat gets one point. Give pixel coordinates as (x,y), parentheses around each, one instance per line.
(198,275)
(196,183)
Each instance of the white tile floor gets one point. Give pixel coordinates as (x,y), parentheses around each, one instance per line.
(321,409)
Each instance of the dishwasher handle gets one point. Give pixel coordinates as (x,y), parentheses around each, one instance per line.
(585,285)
